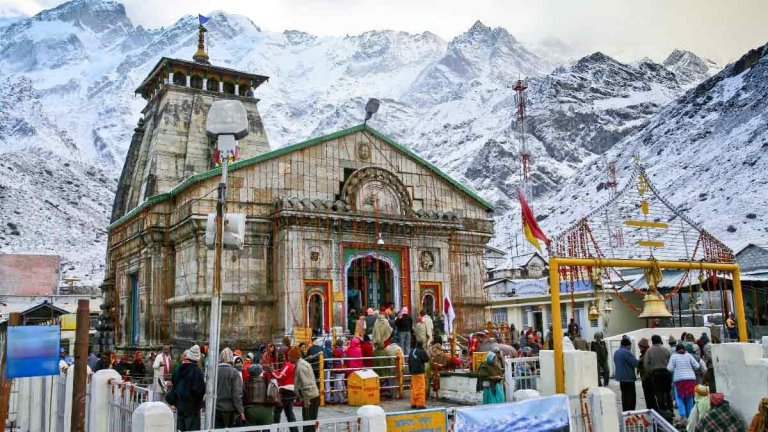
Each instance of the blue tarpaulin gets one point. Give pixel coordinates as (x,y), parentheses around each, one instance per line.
(33,351)
(546,414)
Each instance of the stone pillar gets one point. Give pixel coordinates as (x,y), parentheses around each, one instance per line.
(205,83)
(170,77)
(741,374)
(237,89)
(189,80)
(152,417)
(98,417)
(374,419)
(604,410)
(221,86)
(580,371)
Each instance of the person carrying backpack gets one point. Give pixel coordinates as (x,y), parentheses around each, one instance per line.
(188,391)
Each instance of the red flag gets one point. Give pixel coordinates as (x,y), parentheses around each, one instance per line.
(533,232)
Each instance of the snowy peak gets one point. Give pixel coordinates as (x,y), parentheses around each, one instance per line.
(704,150)
(100,16)
(690,68)
(481,33)
(63,36)
(481,54)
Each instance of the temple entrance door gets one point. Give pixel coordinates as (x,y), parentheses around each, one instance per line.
(430,294)
(371,283)
(134,311)
(317,312)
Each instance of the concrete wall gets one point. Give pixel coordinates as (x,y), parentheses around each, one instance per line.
(580,371)
(741,374)
(752,257)
(29,275)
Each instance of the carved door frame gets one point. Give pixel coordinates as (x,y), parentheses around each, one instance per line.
(322,288)
(435,289)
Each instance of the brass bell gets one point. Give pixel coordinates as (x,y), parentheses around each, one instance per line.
(654,306)
(593,313)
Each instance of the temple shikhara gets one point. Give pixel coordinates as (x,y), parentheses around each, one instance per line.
(347,221)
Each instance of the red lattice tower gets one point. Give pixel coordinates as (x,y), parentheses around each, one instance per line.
(524,154)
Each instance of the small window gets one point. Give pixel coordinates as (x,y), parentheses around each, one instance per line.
(179,78)
(229,88)
(196,82)
(499,316)
(564,318)
(212,85)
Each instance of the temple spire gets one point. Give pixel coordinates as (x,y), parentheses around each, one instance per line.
(201,56)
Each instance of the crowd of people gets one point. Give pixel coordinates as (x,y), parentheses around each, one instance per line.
(258,388)
(262,387)
(679,374)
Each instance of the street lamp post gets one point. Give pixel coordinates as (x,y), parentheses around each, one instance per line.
(227,122)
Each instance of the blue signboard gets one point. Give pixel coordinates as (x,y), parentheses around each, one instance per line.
(33,351)
(546,414)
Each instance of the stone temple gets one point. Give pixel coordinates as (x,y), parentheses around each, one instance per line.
(350,220)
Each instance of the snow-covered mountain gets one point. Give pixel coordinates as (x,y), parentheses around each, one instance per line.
(690,68)
(707,153)
(69,75)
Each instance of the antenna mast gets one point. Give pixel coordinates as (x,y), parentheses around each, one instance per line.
(617,235)
(524,155)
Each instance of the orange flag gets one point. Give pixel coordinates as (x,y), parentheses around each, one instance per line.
(533,232)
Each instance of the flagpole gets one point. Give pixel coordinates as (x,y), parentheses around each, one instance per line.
(453,342)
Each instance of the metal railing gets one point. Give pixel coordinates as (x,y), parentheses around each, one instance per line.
(646,420)
(522,373)
(124,398)
(61,404)
(333,383)
(341,424)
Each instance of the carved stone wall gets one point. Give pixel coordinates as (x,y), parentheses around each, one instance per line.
(302,207)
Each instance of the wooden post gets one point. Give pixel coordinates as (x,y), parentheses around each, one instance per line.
(321,375)
(5,388)
(399,372)
(81,365)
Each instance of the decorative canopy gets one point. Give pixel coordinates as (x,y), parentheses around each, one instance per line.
(638,223)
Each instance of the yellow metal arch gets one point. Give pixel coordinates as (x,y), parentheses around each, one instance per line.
(554,288)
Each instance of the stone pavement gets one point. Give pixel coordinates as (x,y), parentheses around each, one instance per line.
(390,405)
(404,404)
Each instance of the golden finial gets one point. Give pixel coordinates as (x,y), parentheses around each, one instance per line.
(201,56)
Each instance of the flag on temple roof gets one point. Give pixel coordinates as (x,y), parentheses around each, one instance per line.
(531,229)
(202,19)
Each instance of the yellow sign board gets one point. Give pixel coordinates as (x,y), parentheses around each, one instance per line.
(68,322)
(338,296)
(302,334)
(418,421)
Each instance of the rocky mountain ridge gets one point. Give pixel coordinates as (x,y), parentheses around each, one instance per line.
(73,70)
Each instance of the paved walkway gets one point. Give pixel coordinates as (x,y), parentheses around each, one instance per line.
(394,405)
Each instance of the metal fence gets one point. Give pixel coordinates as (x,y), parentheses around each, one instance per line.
(394,379)
(124,398)
(644,421)
(341,424)
(41,403)
(522,373)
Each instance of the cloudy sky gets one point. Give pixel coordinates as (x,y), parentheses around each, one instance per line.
(719,29)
